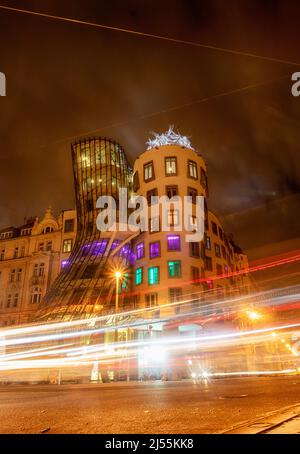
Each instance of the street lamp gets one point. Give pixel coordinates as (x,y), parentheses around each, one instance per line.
(118,276)
(253,315)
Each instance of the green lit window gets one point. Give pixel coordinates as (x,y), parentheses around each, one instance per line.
(138,276)
(174,269)
(125,281)
(153,275)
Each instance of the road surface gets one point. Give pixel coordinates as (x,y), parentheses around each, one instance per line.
(174,407)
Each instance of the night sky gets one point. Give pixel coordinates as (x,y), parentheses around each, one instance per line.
(65,80)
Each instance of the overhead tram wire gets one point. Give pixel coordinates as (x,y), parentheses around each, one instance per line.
(170,109)
(150,35)
(164,38)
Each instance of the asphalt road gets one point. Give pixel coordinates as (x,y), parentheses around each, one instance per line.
(177,407)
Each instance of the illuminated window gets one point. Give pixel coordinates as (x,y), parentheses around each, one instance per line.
(140,251)
(192,170)
(174,268)
(99,247)
(67,245)
(102,154)
(36,295)
(171,166)
(125,282)
(148,171)
(153,275)
(173,243)
(138,276)
(154,250)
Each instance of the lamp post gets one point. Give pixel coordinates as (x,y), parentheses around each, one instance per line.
(118,275)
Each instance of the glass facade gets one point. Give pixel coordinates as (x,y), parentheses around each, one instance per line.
(86,285)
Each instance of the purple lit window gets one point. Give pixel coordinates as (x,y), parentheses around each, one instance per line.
(154,250)
(64,263)
(114,244)
(125,251)
(99,247)
(174,243)
(140,251)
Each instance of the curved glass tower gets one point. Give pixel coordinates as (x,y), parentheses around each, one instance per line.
(86,285)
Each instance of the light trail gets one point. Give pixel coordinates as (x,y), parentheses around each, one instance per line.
(228,304)
(93,353)
(61,325)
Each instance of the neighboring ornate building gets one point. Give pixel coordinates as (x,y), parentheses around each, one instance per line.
(31,257)
(158,267)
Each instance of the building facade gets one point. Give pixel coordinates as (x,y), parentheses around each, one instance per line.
(31,257)
(86,286)
(60,269)
(167,269)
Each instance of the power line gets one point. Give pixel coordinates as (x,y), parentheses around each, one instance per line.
(173,108)
(150,35)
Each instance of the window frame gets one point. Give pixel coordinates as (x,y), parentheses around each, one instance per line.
(142,276)
(190,161)
(159,250)
(147,164)
(158,275)
(180,269)
(173,250)
(176,166)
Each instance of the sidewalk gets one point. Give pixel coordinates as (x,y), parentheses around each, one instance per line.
(289,427)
